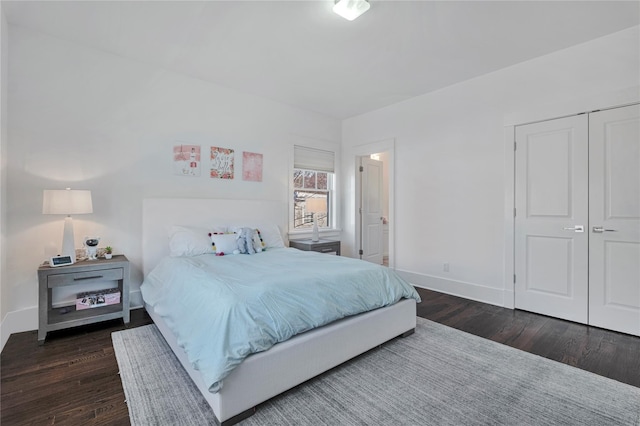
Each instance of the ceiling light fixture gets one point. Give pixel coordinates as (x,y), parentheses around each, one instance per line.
(351,9)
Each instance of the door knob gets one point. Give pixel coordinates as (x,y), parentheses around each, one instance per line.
(577,228)
(600,229)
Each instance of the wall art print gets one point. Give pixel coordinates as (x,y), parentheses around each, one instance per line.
(221,163)
(186,160)
(251,166)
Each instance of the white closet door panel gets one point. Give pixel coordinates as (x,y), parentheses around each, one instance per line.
(551,253)
(614,191)
(549,174)
(549,263)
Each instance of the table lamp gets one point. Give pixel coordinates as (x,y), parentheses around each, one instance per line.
(67,201)
(315,206)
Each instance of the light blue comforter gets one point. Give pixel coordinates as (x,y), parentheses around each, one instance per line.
(224,308)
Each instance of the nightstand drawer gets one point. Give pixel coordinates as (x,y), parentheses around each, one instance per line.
(326,248)
(86,277)
(321,246)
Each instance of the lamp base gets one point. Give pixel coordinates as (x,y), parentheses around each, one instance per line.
(68,246)
(315,235)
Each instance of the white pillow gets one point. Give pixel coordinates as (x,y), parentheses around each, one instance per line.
(188,241)
(224,243)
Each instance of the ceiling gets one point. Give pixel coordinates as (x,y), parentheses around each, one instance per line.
(300,53)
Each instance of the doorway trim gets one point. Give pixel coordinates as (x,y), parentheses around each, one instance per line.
(509,259)
(387,146)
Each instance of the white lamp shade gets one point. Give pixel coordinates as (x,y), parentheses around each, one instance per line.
(351,9)
(66,201)
(315,205)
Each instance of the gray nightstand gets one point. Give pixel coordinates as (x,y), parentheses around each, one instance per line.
(322,246)
(84,272)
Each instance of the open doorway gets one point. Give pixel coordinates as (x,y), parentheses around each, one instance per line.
(374,203)
(384,157)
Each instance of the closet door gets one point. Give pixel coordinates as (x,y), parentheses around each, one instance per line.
(614,219)
(551,242)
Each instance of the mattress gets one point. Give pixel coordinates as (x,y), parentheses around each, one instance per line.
(224,308)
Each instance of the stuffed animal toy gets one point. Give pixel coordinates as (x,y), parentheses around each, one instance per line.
(91,244)
(245,241)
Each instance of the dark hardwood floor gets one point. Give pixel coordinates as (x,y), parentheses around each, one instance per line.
(73,379)
(604,352)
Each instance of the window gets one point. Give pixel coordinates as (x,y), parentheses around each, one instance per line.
(313,188)
(311,196)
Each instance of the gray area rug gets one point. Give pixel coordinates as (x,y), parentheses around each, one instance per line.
(437,376)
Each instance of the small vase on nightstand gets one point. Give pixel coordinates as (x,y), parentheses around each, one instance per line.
(108,252)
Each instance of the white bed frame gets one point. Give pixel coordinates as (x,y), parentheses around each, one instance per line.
(267,374)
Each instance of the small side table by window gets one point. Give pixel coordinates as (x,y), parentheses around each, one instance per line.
(322,246)
(84,272)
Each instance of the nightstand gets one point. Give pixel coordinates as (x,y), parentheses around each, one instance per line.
(104,271)
(322,246)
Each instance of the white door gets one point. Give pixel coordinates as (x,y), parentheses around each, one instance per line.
(371,208)
(551,242)
(614,219)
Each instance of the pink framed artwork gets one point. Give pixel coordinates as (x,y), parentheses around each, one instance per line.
(221,163)
(186,160)
(252,166)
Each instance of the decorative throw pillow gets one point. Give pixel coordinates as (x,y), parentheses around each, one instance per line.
(271,235)
(258,244)
(224,243)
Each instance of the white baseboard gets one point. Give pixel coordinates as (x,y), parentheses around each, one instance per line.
(492,296)
(17,322)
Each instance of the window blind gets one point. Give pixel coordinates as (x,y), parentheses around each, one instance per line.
(313,159)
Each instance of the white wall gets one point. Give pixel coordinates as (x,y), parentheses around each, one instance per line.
(450,176)
(89,119)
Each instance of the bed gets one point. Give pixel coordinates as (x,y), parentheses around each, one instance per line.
(263,375)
